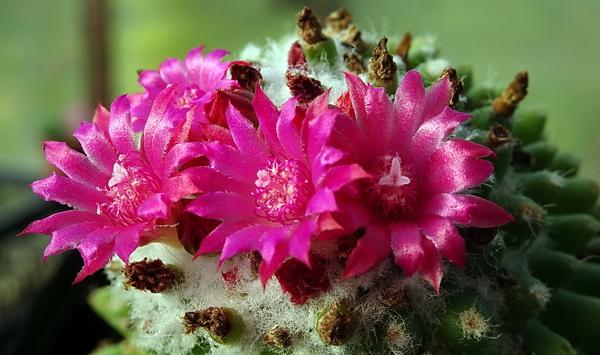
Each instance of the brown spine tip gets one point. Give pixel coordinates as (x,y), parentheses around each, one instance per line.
(382,68)
(277,337)
(309,28)
(153,276)
(507,103)
(338,20)
(351,37)
(456,84)
(354,63)
(246,75)
(403,47)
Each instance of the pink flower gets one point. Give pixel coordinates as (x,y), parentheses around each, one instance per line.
(275,188)
(199,78)
(413,202)
(122,197)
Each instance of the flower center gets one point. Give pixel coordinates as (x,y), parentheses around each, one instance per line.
(131,183)
(393,188)
(188,97)
(283,188)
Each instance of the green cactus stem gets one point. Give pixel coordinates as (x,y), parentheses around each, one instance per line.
(540,340)
(574,316)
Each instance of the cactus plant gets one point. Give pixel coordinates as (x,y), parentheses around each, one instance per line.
(334,193)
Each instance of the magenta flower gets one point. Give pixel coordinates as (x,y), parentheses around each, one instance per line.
(122,196)
(275,189)
(413,201)
(198,76)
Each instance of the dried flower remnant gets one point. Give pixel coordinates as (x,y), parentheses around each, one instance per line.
(278,337)
(304,86)
(338,20)
(246,75)
(354,63)
(335,324)
(455,82)
(499,138)
(352,37)
(153,276)
(382,69)
(222,324)
(507,103)
(309,28)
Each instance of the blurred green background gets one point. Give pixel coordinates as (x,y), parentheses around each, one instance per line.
(45,91)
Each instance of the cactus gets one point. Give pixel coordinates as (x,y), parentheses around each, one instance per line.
(374,223)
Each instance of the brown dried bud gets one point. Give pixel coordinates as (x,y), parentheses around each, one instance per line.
(402,48)
(396,298)
(305,86)
(507,103)
(499,138)
(338,20)
(214,320)
(277,337)
(354,63)
(456,84)
(351,37)
(309,28)
(335,325)
(382,68)
(153,276)
(246,75)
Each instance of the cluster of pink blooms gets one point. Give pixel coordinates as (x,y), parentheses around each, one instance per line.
(219,168)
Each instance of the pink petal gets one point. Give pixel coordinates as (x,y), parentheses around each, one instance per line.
(68,192)
(323,200)
(179,187)
(70,237)
(96,250)
(223,206)
(327,157)
(406,245)
(171,71)
(267,115)
(74,164)
(231,162)
(208,179)
(96,146)
(244,240)
(371,249)
(320,130)
(62,220)
(155,206)
(273,247)
(431,266)
(373,113)
(289,133)
(216,239)
(180,154)
(431,134)
(299,244)
(455,167)
(445,237)
(151,81)
(245,136)
(466,210)
(408,106)
(127,240)
(119,126)
(437,98)
(341,175)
